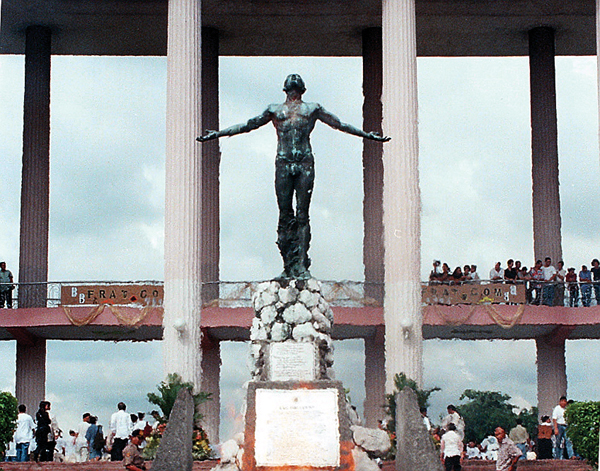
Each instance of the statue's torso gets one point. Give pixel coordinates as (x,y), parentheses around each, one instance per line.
(294,121)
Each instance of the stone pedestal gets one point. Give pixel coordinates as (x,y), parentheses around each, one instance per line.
(291,311)
(297,417)
(292,424)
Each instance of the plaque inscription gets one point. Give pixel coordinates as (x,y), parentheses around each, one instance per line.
(298,427)
(292,361)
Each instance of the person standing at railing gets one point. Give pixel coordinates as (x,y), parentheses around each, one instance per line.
(585,280)
(559,294)
(536,276)
(497,273)
(549,276)
(474,275)
(596,277)
(6,286)
(571,279)
(436,272)
(510,273)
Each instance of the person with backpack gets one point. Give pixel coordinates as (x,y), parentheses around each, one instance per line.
(95,439)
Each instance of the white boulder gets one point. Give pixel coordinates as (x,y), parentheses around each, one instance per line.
(280,332)
(296,314)
(371,439)
(304,332)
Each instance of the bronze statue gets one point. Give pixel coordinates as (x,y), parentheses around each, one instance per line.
(294,120)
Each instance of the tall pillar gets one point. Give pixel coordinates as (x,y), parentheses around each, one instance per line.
(544,145)
(551,377)
(374,378)
(211,158)
(35,179)
(211,376)
(30,387)
(372,165)
(183,192)
(30,384)
(401,194)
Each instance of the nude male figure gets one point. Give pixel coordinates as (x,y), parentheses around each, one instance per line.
(294,120)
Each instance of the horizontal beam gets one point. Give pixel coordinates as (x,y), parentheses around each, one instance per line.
(466,322)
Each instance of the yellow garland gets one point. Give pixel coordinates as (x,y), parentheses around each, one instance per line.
(97,310)
(88,319)
(131,320)
(491,311)
(450,321)
(501,321)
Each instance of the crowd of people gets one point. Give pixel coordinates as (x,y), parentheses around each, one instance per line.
(42,439)
(546,284)
(506,449)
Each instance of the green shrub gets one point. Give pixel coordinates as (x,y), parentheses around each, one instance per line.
(401,381)
(583,419)
(168,391)
(8,418)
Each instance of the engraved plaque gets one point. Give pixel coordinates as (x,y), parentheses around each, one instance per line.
(298,427)
(292,361)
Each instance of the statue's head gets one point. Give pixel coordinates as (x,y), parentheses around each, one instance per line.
(294,82)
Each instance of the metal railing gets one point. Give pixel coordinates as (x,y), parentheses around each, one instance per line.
(540,292)
(221,293)
(337,293)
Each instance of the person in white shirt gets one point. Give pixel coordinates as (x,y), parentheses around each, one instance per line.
(454,418)
(81,445)
(23,434)
(497,273)
(549,275)
(451,449)
(489,448)
(141,425)
(121,428)
(559,425)
(561,275)
(426,420)
(472,451)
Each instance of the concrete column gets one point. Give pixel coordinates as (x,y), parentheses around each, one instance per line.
(35,179)
(211,159)
(544,146)
(401,194)
(551,373)
(183,190)
(211,376)
(30,385)
(30,375)
(374,378)
(372,165)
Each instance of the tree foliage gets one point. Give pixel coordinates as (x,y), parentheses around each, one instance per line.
(8,418)
(401,381)
(167,394)
(583,419)
(486,410)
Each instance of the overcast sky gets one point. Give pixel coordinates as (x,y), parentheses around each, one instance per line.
(107,200)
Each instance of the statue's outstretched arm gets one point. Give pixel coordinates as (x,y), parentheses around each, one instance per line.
(250,125)
(333,121)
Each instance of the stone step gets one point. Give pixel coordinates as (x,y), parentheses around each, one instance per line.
(532,465)
(89,466)
(472,465)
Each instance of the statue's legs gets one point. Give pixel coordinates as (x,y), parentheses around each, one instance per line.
(304,187)
(287,232)
(293,230)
